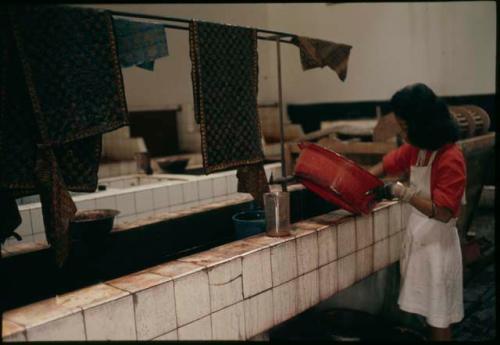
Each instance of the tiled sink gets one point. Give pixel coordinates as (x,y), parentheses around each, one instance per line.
(121,182)
(133,180)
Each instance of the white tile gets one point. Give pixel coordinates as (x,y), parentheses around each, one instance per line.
(226,284)
(381,254)
(125,203)
(381,224)
(364,263)
(155,311)
(103,171)
(175,208)
(145,215)
(229,323)
(197,330)
(259,315)
(37,220)
(394,219)
(205,189)
(395,247)
(192,297)
(116,184)
(64,329)
(162,210)
(328,281)
(24,229)
(190,191)
(231,184)
(405,213)
(169,336)
(111,321)
(256,272)
(284,262)
(114,169)
(17,337)
(40,238)
(160,197)
(264,336)
(346,236)
(364,231)
(191,204)
(144,201)
(285,301)
(219,185)
(346,271)
(327,243)
(175,194)
(307,253)
(85,205)
(308,291)
(126,219)
(108,202)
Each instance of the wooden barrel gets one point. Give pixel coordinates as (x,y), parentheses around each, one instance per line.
(480,117)
(464,121)
(471,119)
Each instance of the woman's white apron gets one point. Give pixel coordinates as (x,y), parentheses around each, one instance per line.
(431,260)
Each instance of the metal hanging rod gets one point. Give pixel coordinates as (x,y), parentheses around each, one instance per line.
(182,20)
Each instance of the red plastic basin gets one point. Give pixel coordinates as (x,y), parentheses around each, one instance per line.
(335,178)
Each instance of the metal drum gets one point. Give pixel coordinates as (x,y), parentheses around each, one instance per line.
(277,209)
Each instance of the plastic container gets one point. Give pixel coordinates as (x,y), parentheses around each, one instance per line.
(336,178)
(249,223)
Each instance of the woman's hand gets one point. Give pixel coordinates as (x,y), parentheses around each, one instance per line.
(393,190)
(402,192)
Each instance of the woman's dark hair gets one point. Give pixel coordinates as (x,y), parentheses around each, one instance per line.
(430,124)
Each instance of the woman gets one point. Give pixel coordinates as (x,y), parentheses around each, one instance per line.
(431,259)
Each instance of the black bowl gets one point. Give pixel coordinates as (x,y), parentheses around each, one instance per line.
(176,166)
(92,226)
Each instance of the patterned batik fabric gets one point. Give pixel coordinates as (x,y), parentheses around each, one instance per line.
(10,218)
(252,179)
(62,89)
(318,53)
(225,78)
(140,43)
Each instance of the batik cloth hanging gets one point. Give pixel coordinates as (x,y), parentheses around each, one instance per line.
(62,89)
(225,80)
(319,53)
(140,44)
(252,179)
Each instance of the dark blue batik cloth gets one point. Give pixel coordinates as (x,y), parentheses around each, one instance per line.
(140,44)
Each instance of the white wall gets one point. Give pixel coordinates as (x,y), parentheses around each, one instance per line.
(170,83)
(451,46)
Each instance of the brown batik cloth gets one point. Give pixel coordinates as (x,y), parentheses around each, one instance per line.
(62,89)
(318,53)
(252,179)
(225,79)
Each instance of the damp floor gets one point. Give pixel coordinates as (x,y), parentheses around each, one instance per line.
(479,323)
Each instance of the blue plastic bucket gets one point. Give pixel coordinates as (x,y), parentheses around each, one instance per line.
(248,223)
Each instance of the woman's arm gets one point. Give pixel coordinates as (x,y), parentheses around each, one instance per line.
(377,170)
(425,206)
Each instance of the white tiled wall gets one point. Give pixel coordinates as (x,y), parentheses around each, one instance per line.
(232,292)
(139,201)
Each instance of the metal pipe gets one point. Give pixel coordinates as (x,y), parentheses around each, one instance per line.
(183,20)
(280,106)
